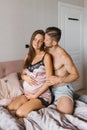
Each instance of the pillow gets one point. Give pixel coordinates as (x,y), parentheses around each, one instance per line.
(10,88)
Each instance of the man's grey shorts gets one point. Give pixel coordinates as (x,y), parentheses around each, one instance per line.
(66,90)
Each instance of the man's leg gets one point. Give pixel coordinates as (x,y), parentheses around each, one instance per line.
(65,105)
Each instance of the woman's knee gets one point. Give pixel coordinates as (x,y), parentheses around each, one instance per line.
(12,106)
(19,113)
(9,107)
(15,104)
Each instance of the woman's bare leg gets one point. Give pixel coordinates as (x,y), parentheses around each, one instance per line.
(17,102)
(29,106)
(65,105)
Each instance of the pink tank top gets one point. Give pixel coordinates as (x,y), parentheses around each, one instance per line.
(37,70)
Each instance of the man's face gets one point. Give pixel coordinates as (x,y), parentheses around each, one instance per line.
(48,41)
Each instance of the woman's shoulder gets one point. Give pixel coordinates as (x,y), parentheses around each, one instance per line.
(47,56)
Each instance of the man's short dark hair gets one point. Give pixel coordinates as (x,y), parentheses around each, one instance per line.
(54,33)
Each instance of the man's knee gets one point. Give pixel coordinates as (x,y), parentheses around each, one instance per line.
(65,110)
(65,105)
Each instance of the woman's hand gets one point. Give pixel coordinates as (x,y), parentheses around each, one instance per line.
(30,80)
(30,95)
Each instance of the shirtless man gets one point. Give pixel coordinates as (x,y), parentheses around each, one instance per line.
(64,70)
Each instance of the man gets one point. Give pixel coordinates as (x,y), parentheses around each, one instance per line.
(64,70)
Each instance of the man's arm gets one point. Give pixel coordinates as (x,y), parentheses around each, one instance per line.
(70,68)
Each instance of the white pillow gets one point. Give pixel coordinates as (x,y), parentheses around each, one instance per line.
(10,88)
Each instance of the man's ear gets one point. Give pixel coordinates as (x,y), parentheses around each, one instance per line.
(54,43)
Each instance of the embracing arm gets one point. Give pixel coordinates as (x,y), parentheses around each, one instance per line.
(70,68)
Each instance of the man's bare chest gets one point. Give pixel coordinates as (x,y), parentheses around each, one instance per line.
(57,63)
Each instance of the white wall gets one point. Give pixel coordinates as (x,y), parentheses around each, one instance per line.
(18,20)
(85,44)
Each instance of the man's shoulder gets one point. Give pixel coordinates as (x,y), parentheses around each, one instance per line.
(63,53)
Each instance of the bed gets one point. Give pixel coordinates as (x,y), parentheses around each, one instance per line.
(44,119)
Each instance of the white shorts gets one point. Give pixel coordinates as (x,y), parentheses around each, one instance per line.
(66,90)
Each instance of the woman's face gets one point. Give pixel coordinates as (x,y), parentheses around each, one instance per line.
(38,42)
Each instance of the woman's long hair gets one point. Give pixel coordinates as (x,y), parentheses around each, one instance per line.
(31,52)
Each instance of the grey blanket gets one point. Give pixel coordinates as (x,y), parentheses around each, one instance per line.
(47,118)
(50,119)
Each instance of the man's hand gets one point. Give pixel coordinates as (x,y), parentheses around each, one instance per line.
(53,80)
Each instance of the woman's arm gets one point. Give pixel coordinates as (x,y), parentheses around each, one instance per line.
(29,79)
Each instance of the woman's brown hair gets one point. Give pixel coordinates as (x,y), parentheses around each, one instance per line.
(31,52)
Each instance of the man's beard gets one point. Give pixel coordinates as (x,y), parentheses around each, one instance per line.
(47,47)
